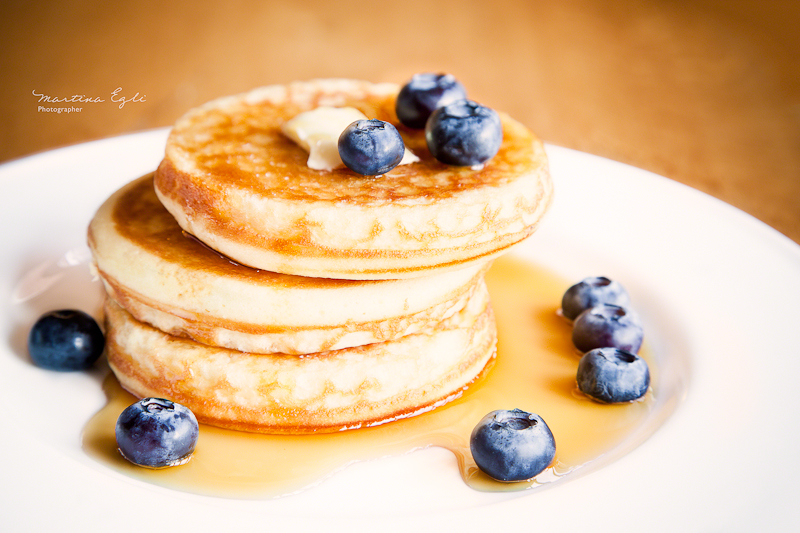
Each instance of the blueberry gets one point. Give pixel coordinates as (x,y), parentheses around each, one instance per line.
(423,94)
(156,433)
(605,326)
(613,376)
(591,292)
(371,147)
(512,445)
(65,340)
(464,133)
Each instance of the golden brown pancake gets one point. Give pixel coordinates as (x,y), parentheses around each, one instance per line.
(235,181)
(171,281)
(325,392)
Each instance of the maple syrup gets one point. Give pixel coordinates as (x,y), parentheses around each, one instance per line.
(534,370)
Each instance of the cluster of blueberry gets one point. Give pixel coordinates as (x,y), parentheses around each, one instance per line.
(153,432)
(458,131)
(515,445)
(609,333)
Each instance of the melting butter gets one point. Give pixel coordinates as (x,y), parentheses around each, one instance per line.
(317,131)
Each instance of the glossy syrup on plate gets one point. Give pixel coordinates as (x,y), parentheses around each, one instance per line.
(534,370)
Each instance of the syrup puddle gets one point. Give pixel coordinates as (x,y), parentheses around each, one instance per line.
(534,371)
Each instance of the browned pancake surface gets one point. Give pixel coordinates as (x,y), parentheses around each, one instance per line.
(229,168)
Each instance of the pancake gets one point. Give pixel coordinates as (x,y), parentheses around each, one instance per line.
(232,179)
(172,281)
(325,392)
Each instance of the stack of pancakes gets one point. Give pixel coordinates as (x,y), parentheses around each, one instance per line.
(270,297)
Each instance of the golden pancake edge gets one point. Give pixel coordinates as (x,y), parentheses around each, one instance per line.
(172,281)
(294,394)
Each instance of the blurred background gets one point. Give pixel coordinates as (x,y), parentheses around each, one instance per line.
(706,92)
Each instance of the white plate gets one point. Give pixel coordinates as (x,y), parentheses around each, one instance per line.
(718,288)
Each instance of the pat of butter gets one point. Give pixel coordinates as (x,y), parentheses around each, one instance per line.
(317,132)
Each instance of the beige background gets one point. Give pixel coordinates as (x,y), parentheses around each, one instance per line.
(706,92)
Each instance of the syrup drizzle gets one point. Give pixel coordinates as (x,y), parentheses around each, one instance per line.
(534,371)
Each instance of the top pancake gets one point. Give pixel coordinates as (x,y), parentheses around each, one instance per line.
(231,178)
